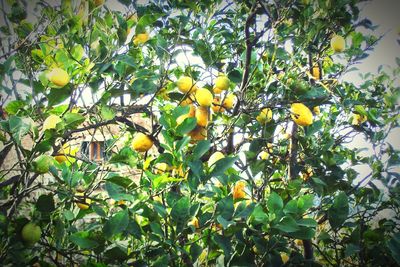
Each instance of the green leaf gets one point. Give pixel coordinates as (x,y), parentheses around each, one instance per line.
(181,209)
(224,243)
(222,165)
(305,233)
(82,240)
(77,52)
(313,128)
(186,126)
(235,76)
(14,106)
(107,113)
(259,216)
(338,212)
(307,222)
(287,225)
(275,203)
(73,120)
(394,247)
(45,203)
(18,128)
(201,148)
(195,251)
(57,95)
(116,224)
(225,207)
(117,192)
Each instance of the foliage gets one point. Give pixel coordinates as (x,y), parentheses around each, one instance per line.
(303,198)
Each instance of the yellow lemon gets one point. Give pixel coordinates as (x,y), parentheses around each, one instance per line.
(265,116)
(64,152)
(264,155)
(161,167)
(195,223)
(358,119)
(307,173)
(284,257)
(217,90)
(222,82)
(202,116)
(215,157)
(228,101)
(51,121)
(82,202)
(301,114)
(141,38)
(185,84)
(187,101)
(216,106)
(238,190)
(316,110)
(316,73)
(338,43)
(58,76)
(142,142)
(204,97)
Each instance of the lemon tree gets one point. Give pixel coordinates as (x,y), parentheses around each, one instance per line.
(195,133)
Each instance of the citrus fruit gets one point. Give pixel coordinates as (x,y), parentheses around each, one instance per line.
(301,114)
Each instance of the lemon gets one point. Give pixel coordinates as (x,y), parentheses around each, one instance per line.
(42,164)
(216,106)
(222,82)
(58,77)
(50,122)
(195,223)
(161,167)
(307,173)
(316,73)
(141,38)
(31,233)
(215,157)
(301,114)
(238,190)
(83,203)
(217,90)
(264,155)
(204,97)
(202,116)
(284,257)
(142,142)
(187,101)
(358,119)
(316,110)
(64,152)
(265,116)
(228,101)
(338,43)
(185,84)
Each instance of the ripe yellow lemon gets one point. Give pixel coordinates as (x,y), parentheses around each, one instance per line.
(217,90)
(216,106)
(161,167)
(204,97)
(358,119)
(58,76)
(316,73)
(185,84)
(238,190)
(187,101)
(50,122)
(301,114)
(264,155)
(142,142)
(195,223)
(202,116)
(307,173)
(229,101)
(284,257)
(215,157)
(141,38)
(222,82)
(82,202)
(265,116)
(338,43)
(64,152)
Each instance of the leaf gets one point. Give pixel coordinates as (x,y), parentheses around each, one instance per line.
(186,126)
(18,128)
(235,76)
(201,148)
(222,165)
(195,251)
(313,128)
(14,106)
(275,203)
(77,52)
(117,192)
(338,212)
(224,243)
(180,210)
(304,233)
(57,95)
(116,224)
(307,222)
(225,207)
(73,120)
(287,225)
(107,113)
(259,216)
(394,247)
(45,203)
(82,240)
